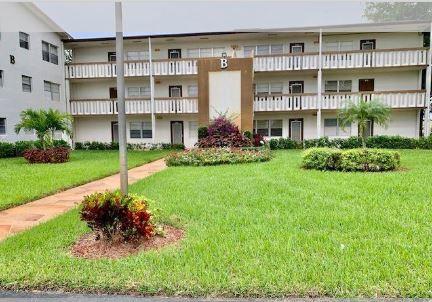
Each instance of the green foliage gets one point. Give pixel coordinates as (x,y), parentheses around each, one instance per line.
(217,156)
(363,112)
(113,215)
(372,160)
(7,150)
(284,143)
(44,123)
(115,146)
(248,134)
(21,146)
(398,11)
(202,132)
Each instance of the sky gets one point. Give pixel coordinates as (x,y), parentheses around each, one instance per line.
(89,19)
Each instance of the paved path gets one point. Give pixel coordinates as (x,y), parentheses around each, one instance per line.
(20,218)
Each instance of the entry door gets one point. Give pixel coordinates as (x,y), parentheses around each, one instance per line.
(367,44)
(296,47)
(113,93)
(296,86)
(114,132)
(177,132)
(175,91)
(366,85)
(174,53)
(296,129)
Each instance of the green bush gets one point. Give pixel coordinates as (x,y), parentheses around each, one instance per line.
(7,150)
(60,143)
(372,160)
(202,132)
(21,146)
(217,156)
(284,143)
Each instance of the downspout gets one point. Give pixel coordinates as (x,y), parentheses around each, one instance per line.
(152,100)
(319,80)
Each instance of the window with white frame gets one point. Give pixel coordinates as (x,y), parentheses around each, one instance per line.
(140,130)
(332,128)
(205,52)
(193,129)
(192,90)
(1,78)
(49,52)
(193,53)
(248,51)
(26,83)
(339,46)
(267,88)
(276,87)
(268,127)
(262,50)
(24,40)
(138,91)
(52,91)
(276,49)
(262,88)
(137,55)
(218,51)
(338,86)
(2,125)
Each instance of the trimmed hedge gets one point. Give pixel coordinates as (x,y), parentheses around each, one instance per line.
(114,146)
(217,156)
(380,142)
(17,149)
(366,160)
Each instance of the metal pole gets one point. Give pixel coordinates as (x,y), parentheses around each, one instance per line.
(319,80)
(152,101)
(426,130)
(121,99)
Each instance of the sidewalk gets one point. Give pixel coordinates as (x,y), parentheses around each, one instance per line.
(28,215)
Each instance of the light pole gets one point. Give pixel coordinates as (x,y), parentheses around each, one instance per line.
(121,99)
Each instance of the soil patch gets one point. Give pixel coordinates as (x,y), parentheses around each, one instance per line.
(88,247)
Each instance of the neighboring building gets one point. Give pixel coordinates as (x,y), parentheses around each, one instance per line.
(31,65)
(270,82)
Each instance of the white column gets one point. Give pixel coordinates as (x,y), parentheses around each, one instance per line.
(426,130)
(152,100)
(319,83)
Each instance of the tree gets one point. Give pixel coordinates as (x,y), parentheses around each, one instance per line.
(362,113)
(398,11)
(44,123)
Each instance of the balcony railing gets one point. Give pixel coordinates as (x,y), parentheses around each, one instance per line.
(303,61)
(307,101)
(131,69)
(133,106)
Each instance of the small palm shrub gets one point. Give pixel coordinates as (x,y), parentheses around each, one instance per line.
(115,216)
(366,160)
(54,155)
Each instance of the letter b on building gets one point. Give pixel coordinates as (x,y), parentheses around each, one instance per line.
(223,63)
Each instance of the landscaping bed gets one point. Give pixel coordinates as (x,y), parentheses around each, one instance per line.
(272,230)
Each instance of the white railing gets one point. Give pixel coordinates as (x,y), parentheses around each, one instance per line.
(290,102)
(286,62)
(374,58)
(131,69)
(133,106)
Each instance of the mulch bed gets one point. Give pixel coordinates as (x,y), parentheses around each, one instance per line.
(88,247)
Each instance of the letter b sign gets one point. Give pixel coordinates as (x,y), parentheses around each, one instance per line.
(223,63)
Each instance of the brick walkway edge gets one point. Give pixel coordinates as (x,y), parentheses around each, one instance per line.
(28,215)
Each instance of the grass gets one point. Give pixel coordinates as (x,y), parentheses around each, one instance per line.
(21,182)
(264,229)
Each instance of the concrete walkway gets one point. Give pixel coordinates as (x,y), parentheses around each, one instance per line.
(28,215)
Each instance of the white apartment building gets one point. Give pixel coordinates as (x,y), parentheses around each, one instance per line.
(270,81)
(31,65)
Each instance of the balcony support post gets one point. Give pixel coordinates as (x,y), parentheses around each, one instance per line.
(319,82)
(152,100)
(121,98)
(426,130)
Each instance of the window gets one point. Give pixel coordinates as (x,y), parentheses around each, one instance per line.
(137,55)
(193,129)
(174,53)
(193,53)
(276,49)
(339,46)
(332,128)
(296,47)
(267,88)
(296,86)
(140,130)
(138,91)
(262,88)
(26,83)
(338,86)
(49,52)
(24,40)
(205,52)
(367,44)
(263,50)
(266,127)
(2,125)
(248,51)
(52,91)
(218,51)
(276,88)
(193,90)
(112,56)
(1,78)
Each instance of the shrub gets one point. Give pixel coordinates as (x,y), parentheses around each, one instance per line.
(21,146)
(258,140)
(79,146)
(7,150)
(248,134)
(284,143)
(202,132)
(217,156)
(61,143)
(372,160)
(113,215)
(173,146)
(51,155)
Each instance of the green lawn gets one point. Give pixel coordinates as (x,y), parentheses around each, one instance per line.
(265,229)
(21,182)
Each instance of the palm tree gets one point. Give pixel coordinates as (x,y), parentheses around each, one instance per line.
(44,123)
(362,113)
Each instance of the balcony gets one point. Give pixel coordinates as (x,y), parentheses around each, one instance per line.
(307,101)
(131,69)
(133,106)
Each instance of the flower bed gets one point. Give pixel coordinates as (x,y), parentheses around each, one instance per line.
(366,160)
(51,155)
(217,156)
